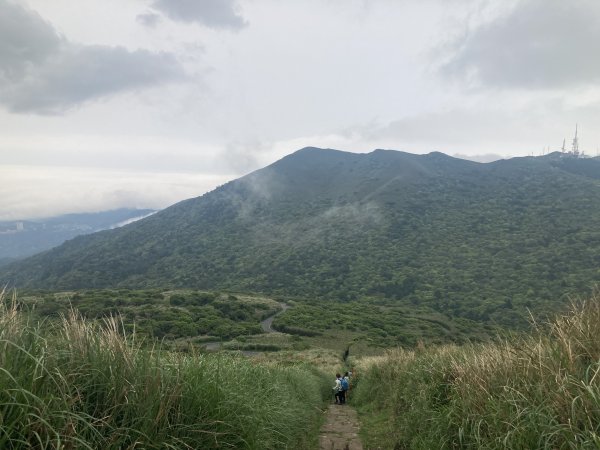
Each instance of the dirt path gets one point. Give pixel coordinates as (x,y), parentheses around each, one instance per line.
(340,431)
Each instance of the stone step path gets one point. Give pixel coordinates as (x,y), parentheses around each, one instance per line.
(340,431)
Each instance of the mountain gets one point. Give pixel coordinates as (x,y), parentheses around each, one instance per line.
(22,238)
(483,241)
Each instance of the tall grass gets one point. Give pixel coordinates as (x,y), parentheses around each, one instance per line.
(541,391)
(78,385)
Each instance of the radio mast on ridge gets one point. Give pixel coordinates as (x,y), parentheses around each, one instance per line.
(575,144)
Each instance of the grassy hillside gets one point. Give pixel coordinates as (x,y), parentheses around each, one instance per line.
(484,242)
(74,384)
(541,391)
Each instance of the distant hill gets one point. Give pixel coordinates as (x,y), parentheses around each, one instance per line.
(483,241)
(22,238)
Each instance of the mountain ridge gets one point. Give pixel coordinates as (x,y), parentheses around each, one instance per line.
(419,229)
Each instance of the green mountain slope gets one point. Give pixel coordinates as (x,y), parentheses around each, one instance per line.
(469,239)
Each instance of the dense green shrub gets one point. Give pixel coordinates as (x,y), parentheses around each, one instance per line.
(158,314)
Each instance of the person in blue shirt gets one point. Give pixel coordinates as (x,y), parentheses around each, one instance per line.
(345,385)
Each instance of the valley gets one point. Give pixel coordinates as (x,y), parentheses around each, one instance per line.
(22,238)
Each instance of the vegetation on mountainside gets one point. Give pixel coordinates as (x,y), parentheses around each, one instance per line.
(379,325)
(161,314)
(184,318)
(74,384)
(484,242)
(539,391)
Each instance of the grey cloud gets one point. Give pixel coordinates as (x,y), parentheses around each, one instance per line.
(25,40)
(312,229)
(241,157)
(77,74)
(454,126)
(210,13)
(148,19)
(539,44)
(357,213)
(42,72)
(484,129)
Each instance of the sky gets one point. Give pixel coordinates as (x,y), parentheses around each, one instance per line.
(142,103)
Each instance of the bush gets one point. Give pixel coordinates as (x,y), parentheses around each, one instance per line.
(177,300)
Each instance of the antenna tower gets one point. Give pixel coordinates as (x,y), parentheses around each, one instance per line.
(575,144)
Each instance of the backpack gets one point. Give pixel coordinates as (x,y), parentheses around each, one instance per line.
(345,384)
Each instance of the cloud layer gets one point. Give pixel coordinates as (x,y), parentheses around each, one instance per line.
(538,44)
(42,72)
(210,13)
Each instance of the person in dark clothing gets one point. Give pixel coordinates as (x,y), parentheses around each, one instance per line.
(345,382)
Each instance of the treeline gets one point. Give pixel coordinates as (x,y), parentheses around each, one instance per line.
(538,391)
(74,384)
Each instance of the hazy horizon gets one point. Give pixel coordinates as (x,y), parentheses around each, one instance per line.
(161,199)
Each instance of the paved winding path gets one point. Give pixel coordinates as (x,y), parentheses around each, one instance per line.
(267,327)
(268,322)
(340,431)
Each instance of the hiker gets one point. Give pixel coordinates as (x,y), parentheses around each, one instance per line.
(345,382)
(337,389)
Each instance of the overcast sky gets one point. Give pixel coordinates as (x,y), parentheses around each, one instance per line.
(141,103)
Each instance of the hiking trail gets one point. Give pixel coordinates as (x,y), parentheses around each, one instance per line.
(340,431)
(266,324)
